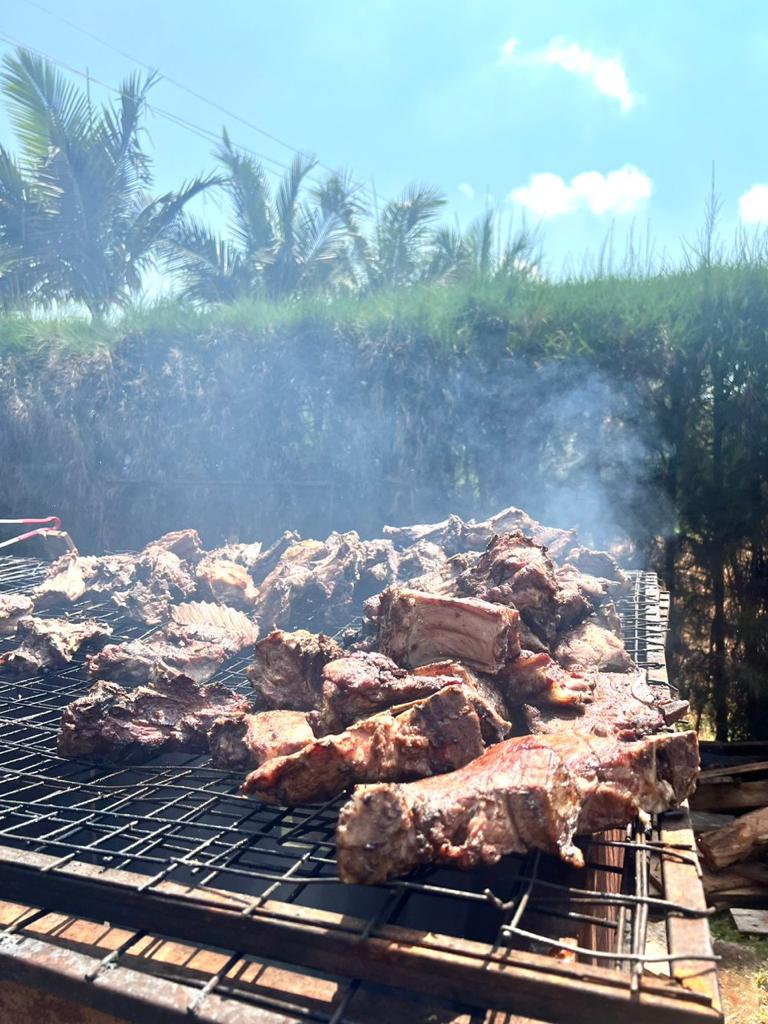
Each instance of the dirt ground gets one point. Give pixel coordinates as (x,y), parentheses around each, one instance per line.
(743,982)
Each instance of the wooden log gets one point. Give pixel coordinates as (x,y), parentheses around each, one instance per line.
(751,922)
(705,821)
(742,839)
(734,769)
(730,796)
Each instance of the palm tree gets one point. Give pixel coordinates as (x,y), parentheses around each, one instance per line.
(281,243)
(77,222)
(479,254)
(401,235)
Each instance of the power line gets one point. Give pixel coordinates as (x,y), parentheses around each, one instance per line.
(191,92)
(168,115)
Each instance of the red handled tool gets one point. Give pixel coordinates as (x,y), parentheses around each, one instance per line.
(43,525)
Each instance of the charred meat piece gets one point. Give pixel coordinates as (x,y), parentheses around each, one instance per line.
(590,647)
(455,536)
(578,595)
(225,581)
(175,714)
(416,628)
(535,677)
(622,705)
(246,741)
(428,736)
(600,564)
(50,643)
(288,669)
(322,584)
(161,579)
(13,607)
(173,651)
(532,792)
(362,684)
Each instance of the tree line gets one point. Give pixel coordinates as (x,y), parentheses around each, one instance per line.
(79,221)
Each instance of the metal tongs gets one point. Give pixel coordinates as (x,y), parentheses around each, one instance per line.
(42,526)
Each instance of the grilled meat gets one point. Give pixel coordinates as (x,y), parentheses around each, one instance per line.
(415,628)
(50,643)
(185,544)
(66,580)
(13,607)
(532,792)
(600,564)
(172,651)
(226,581)
(160,580)
(227,626)
(246,741)
(173,715)
(362,684)
(428,736)
(590,647)
(247,555)
(287,669)
(536,678)
(513,570)
(622,704)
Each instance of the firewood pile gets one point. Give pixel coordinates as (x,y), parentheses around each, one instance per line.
(730,816)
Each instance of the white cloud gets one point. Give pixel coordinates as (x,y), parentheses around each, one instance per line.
(549,195)
(606,74)
(466,190)
(753,205)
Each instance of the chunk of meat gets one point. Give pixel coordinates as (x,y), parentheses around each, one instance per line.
(160,580)
(600,564)
(622,705)
(245,742)
(247,555)
(233,629)
(362,684)
(321,585)
(13,607)
(66,581)
(428,736)
(590,647)
(578,595)
(176,650)
(50,643)
(415,628)
(288,669)
(173,715)
(225,581)
(532,792)
(537,678)
(185,544)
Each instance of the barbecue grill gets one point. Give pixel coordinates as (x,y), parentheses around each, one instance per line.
(156,892)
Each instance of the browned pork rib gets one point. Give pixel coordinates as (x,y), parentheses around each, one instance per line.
(622,705)
(247,555)
(533,792)
(50,643)
(428,736)
(175,714)
(228,626)
(226,581)
(415,628)
(66,580)
(578,595)
(362,684)
(288,669)
(590,647)
(13,607)
(246,741)
(535,677)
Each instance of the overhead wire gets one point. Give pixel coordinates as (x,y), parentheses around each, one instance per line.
(214,104)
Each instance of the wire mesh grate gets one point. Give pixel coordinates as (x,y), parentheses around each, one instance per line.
(177,819)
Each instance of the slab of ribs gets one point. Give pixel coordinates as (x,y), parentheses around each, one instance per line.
(469,678)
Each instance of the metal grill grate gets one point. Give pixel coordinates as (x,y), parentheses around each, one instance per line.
(178,821)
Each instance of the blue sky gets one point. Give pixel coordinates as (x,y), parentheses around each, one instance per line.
(578,116)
